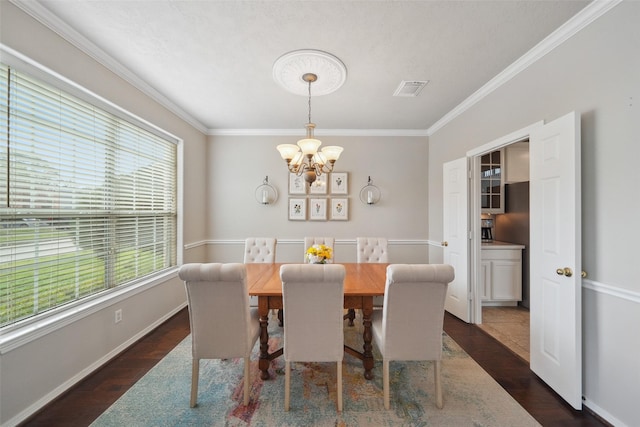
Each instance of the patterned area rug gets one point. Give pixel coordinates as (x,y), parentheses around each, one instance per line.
(161,398)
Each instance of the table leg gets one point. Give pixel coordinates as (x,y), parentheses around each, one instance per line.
(351,315)
(263,363)
(367,355)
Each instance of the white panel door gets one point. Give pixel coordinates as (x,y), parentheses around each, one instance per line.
(556,297)
(455,233)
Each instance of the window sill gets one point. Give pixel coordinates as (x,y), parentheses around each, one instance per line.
(28,330)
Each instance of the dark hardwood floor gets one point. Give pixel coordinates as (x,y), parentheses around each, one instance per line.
(513,374)
(87,400)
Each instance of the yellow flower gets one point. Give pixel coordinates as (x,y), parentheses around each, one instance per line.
(322,252)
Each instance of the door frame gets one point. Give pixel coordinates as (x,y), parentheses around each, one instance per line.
(475,211)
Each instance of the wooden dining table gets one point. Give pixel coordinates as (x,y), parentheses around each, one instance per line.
(362,282)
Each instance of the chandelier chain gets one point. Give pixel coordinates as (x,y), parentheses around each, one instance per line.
(309,101)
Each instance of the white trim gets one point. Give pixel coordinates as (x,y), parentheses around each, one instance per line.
(434,243)
(27,65)
(513,137)
(610,290)
(53,394)
(586,16)
(405,242)
(474,223)
(55,24)
(24,332)
(180,203)
(290,241)
(318,132)
(195,244)
(622,295)
(602,413)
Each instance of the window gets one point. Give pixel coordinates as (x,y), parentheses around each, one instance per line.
(87,198)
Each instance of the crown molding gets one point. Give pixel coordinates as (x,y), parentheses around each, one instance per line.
(322,132)
(36,10)
(586,16)
(582,19)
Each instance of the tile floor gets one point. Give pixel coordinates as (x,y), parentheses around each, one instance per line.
(510,326)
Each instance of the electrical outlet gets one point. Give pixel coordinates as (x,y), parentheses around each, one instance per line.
(119,315)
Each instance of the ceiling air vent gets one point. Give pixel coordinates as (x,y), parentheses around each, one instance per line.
(410,87)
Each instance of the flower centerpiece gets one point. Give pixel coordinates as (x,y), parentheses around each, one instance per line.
(319,254)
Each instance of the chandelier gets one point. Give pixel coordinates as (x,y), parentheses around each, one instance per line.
(305,159)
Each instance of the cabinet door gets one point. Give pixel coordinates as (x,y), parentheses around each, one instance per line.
(491,182)
(485,276)
(506,281)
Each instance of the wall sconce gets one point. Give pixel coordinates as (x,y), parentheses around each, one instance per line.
(266,194)
(370,194)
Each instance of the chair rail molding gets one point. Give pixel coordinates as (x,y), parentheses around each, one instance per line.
(292,241)
(614,291)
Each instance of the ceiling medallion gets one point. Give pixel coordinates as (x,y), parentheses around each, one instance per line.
(288,71)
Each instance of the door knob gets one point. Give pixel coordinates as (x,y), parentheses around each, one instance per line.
(584,274)
(564,272)
(445,243)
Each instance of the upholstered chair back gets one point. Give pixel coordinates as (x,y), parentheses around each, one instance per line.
(409,325)
(372,250)
(413,311)
(313,300)
(260,250)
(222,324)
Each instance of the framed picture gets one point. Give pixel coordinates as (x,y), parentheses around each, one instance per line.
(318,209)
(297,184)
(297,209)
(339,209)
(339,182)
(319,186)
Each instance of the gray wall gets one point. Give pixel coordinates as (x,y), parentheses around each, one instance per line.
(33,371)
(597,74)
(238,164)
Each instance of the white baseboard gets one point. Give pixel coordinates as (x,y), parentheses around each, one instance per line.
(606,416)
(49,397)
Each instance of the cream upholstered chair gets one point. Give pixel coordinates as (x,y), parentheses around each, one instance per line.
(260,250)
(222,324)
(310,241)
(409,326)
(313,297)
(372,249)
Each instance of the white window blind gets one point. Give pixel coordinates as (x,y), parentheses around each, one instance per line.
(87,199)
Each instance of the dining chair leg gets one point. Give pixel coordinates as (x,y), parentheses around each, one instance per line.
(247,382)
(437,372)
(385,382)
(195,373)
(287,384)
(339,385)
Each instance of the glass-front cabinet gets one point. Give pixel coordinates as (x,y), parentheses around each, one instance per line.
(491,182)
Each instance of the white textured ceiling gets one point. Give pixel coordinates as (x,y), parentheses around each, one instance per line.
(213,59)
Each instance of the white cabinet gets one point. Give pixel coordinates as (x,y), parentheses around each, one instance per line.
(491,182)
(501,272)
(516,167)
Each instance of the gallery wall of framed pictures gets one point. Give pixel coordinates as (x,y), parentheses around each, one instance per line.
(325,199)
